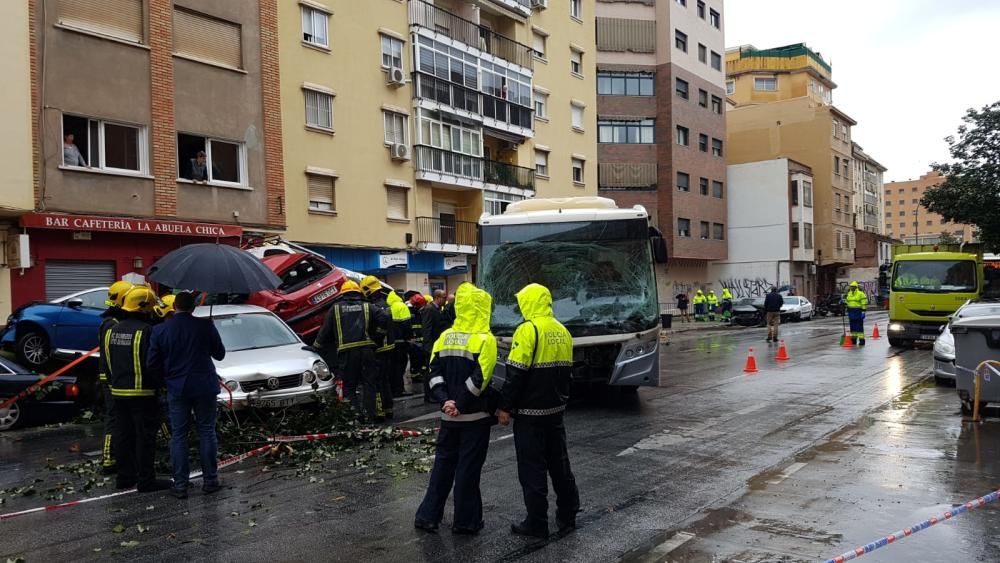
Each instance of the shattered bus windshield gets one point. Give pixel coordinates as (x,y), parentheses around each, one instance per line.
(600,274)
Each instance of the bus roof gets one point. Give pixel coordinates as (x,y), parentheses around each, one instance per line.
(924,256)
(563,210)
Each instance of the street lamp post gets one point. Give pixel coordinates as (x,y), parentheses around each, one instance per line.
(916,226)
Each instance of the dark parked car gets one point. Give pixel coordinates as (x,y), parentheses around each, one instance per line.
(63,328)
(832,304)
(60,397)
(748,312)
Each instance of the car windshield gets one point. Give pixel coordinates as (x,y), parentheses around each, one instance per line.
(600,274)
(253,331)
(978,311)
(791,301)
(935,276)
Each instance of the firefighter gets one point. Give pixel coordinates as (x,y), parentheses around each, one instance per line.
(372,289)
(109,318)
(402,322)
(462,365)
(699,302)
(538,372)
(857,303)
(347,342)
(713,304)
(727,304)
(164,308)
(134,386)
(418,361)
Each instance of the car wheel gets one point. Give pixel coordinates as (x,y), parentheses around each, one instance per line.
(33,349)
(10,417)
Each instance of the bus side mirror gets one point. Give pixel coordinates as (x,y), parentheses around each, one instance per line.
(658,245)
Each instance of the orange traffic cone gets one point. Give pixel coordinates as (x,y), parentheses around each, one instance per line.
(751,366)
(848,341)
(875,334)
(782,352)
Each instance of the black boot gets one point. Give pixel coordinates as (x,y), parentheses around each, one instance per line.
(523,529)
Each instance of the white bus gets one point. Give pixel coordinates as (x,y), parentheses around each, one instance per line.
(598,261)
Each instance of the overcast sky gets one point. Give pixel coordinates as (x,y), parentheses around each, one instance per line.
(906,70)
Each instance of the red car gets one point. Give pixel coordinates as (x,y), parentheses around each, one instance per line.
(308,286)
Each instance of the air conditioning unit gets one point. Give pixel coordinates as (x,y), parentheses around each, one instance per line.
(399,152)
(539,4)
(396,77)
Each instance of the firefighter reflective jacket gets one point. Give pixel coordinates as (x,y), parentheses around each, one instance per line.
(856,299)
(386,326)
(417,326)
(540,363)
(109,318)
(351,323)
(464,357)
(401,321)
(129,372)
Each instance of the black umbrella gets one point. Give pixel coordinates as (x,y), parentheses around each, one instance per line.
(213,268)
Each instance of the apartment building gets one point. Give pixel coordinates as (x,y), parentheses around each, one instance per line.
(155,124)
(907,220)
(868,202)
(661,125)
(783,108)
(404,121)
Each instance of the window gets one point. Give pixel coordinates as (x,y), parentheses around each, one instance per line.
(103,145)
(702,98)
(681,40)
(730,87)
(319,109)
(793,192)
(321,192)
(683,135)
(902,225)
(914,200)
(717,189)
(912,190)
(902,202)
(541,105)
(705,230)
(626,132)
(538,43)
(703,186)
(840,240)
(681,87)
(836,165)
(121,19)
(807,235)
(576,116)
(397,203)
(395,128)
(625,83)
(807,193)
(795,235)
(683,182)
(715,19)
(716,147)
(902,214)
(541,163)
(683,227)
(576,62)
(703,142)
(836,128)
(716,61)
(930,223)
(888,203)
(577,170)
(682,2)
(702,53)
(392,53)
(208,39)
(717,105)
(576,9)
(846,167)
(837,199)
(769,84)
(314,27)
(718,231)
(701,9)
(203,159)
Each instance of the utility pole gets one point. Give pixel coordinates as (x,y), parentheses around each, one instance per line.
(916,225)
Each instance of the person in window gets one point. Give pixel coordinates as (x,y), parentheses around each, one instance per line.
(198,171)
(71,153)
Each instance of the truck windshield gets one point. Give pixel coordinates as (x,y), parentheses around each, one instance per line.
(935,276)
(600,274)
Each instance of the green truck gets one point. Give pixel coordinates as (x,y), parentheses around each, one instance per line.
(929,283)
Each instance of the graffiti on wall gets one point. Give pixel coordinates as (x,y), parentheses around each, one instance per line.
(747,287)
(869,287)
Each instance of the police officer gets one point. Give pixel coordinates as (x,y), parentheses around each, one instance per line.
(347,341)
(857,303)
(402,323)
(372,289)
(713,304)
(134,386)
(461,368)
(699,305)
(109,318)
(538,377)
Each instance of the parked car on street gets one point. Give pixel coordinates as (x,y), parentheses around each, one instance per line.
(58,398)
(308,285)
(797,309)
(831,304)
(63,328)
(746,312)
(266,365)
(944,346)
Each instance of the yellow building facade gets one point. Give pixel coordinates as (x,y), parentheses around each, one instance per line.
(404,121)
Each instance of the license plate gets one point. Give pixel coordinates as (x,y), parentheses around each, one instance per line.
(323,295)
(272,403)
(928,337)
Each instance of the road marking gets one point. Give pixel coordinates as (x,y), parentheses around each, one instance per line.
(788,472)
(749,410)
(679,539)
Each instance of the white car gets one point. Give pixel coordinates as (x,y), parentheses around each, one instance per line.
(944,346)
(796,308)
(266,364)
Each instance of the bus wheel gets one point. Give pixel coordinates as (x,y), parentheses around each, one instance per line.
(899,343)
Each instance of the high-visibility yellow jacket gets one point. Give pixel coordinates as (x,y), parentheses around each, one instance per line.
(726,294)
(699,298)
(712,298)
(856,299)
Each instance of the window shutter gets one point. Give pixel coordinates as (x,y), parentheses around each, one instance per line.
(626,175)
(618,34)
(115,18)
(207,38)
(396,207)
(321,189)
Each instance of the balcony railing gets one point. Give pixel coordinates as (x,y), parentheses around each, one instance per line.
(508,175)
(430,159)
(435,230)
(468,32)
(447,93)
(507,112)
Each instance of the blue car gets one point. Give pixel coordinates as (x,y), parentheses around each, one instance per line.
(61,329)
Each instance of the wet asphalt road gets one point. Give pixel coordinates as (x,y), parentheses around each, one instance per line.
(647,467)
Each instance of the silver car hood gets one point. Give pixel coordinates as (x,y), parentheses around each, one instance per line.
(266,362)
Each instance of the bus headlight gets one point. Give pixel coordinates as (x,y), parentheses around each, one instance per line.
(322,370)
(896,327)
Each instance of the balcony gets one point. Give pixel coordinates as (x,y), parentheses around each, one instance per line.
(508,175)
(522,7)
(445,234)
(468,32)
(464,171)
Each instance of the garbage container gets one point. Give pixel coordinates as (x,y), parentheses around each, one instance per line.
(666,320)
(977,339)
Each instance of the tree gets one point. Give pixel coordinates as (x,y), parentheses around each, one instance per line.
(970,193)
(947,238)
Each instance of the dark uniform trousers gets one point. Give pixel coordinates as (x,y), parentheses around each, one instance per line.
(138,419)
(110,446)
(400,357)
(540,443)
(358,370)
(461,452)
(384,402)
